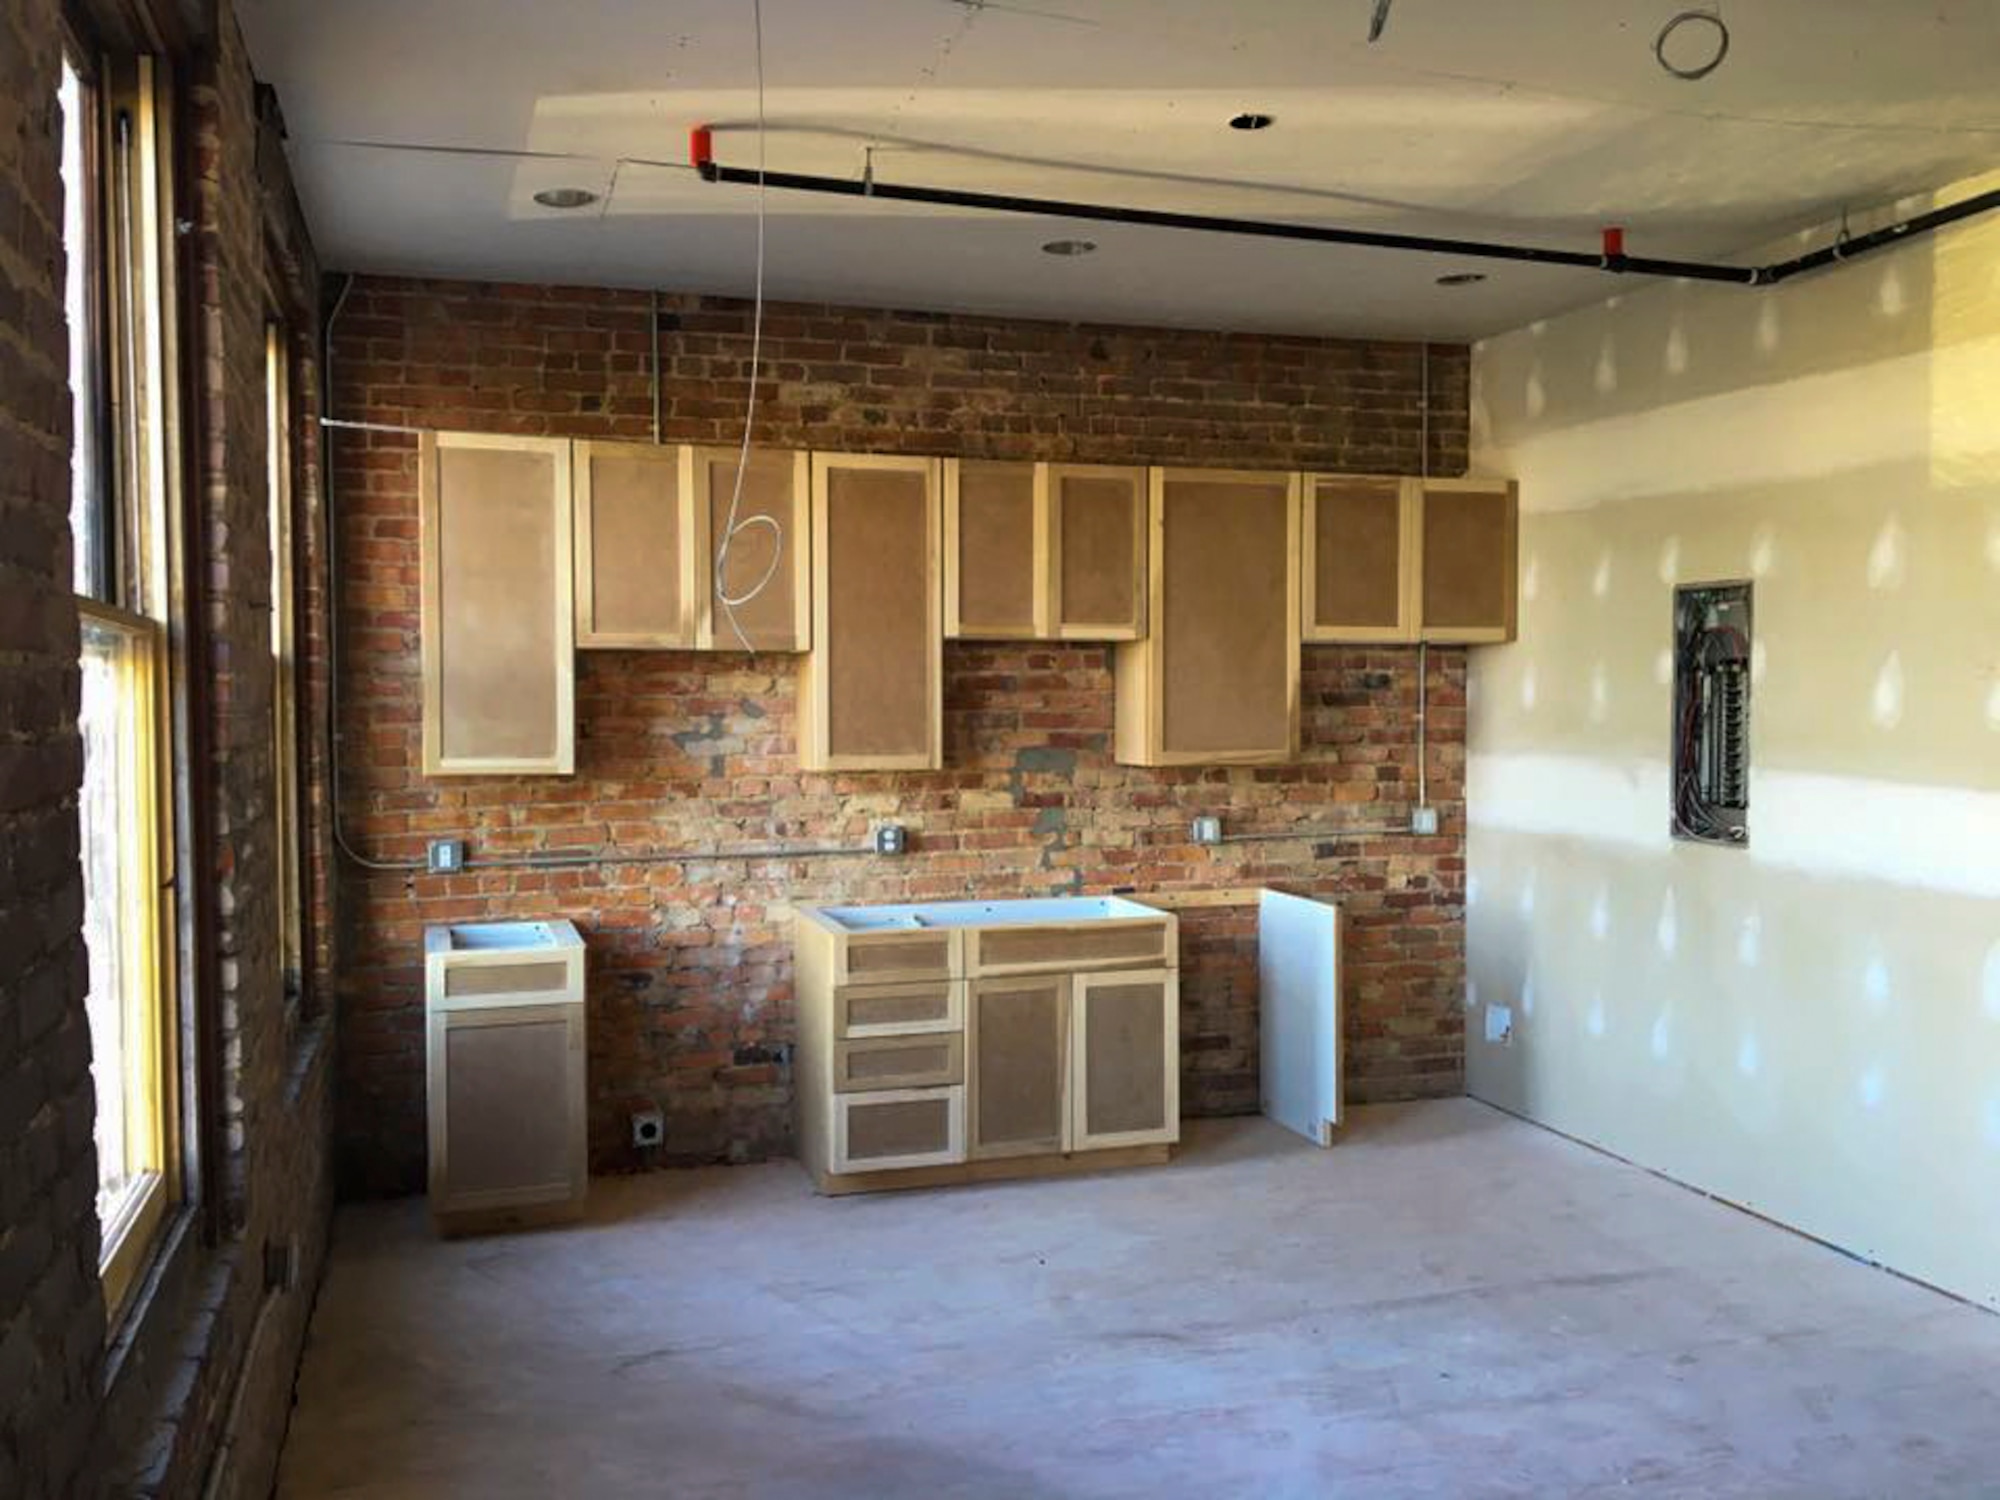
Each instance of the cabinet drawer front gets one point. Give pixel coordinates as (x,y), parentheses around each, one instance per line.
(1000,950)
(898,1062)
(898,1009)
(540,976)
(900,956)
(898,1128)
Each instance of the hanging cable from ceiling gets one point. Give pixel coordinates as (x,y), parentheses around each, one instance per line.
(1379,20)
(737,522)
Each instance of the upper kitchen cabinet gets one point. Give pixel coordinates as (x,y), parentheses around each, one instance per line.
(497,606)
(767,569)
(641,546)
(1097,551)
(871,689)
(1216,679)
(1359,571)
(1469,547)
(996,551)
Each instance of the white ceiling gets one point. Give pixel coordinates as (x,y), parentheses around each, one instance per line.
(1472,118)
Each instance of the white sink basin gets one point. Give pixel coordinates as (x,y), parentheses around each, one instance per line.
(1034,911)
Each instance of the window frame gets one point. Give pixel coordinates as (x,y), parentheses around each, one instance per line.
(288,631)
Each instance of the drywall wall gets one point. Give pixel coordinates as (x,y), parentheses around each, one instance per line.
(1809,1027)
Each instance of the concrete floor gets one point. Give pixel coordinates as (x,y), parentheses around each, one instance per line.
(1448,1303)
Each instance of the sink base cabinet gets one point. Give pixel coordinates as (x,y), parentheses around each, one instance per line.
(1004,1069)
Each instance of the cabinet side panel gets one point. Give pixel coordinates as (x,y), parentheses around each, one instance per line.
(878,646)
(635,546)
(769,490)
(499,679)
(996,548)
(1357,552)
(1228,651)
(1099,519)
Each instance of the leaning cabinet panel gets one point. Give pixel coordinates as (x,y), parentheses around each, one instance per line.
(1359,569)
(1216,680)
(496,605)
(764,577)
(641,546)
(1470,559)
(872,686)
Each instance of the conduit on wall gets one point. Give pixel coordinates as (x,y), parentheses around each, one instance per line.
(1611,257)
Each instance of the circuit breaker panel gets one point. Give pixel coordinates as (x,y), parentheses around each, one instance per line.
(1711,729)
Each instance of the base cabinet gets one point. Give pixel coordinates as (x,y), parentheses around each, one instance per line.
(1042,1051)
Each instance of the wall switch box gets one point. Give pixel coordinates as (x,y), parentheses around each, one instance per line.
(1500,1024)
(1207,830)
(1424,820)
(891,838)
(445,856)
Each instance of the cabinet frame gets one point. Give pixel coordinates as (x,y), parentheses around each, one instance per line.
(956,626)
(1050,477)
(712,632)
(695,555)
(562,761)
(1475,635)
(815,689)
(1409,565)
(1081,985)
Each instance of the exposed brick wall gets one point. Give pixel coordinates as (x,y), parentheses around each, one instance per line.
(690,997)
(51,1309)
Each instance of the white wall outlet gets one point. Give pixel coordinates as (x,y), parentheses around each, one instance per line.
(1500,1024)
(891,838)
(1424,821)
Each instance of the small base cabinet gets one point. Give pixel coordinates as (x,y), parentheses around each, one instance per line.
(1049,1040)
(505,1055)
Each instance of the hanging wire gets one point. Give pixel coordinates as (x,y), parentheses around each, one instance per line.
(738,523)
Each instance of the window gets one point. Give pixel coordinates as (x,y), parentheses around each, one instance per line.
(288,810)
(112,214)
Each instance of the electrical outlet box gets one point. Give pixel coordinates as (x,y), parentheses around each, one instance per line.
(1500,1024)
(445,856)
(892,838)
(649,1128)
(1424,820)
(1207,829)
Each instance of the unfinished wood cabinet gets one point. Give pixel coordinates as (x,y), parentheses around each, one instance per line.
(1359,570)
(996,551)
(1215,681)
(1052,1045)
(496,605)
(641,546)
(1097,527)
(772,544)
(1125,1041)
(871,689)
(1470,560)
(506,1096)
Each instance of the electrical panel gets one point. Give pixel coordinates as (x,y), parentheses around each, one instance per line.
(1711,728)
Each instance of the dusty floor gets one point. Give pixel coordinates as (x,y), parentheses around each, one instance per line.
(1448,1303)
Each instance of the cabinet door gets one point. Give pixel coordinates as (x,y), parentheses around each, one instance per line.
(1216,679)
(996,545)
(1097,551)
(1469,559)
(771,547)
(506,1104)
(641,546)
(497,609)
(872,687)
(1358,574)
(1018,1039)
(1127,1073)
(898,1128)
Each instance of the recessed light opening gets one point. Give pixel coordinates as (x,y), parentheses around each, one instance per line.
(1461,278)
(1069,247)
(1250,120)
(565,197)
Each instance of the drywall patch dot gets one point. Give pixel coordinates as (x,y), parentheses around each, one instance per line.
(1989,984)
(1594,1021)
(1600,913)
(1875,984)
(1668,932)
(1670,561)
(1750,940)
(1885,558)
(1748,1057)
(1885,704)
(1662,1040)
(1871,1088)
(1600,580)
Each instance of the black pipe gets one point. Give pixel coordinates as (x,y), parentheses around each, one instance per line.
(1618,264)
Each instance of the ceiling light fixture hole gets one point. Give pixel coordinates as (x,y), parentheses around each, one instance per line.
(1250,120)
(566,197)
(1069,247)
